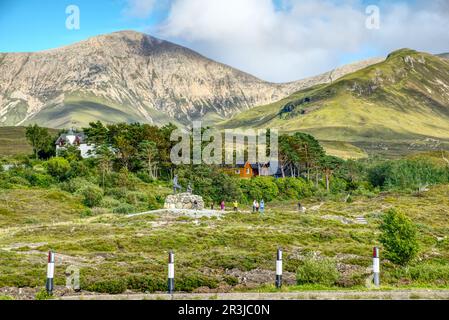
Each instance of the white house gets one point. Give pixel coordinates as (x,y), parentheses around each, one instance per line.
(77,139)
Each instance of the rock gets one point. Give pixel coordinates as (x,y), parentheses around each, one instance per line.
(184,201)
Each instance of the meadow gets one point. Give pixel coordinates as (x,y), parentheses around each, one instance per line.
(234,253)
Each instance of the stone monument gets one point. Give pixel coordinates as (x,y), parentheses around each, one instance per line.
(186,201)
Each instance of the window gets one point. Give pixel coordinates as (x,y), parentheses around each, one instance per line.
(248,171)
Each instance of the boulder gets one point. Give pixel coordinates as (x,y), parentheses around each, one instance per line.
(184,201)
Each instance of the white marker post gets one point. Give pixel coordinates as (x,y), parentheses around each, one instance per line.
(279,269)
(171,272)
(376,267)
(50,272)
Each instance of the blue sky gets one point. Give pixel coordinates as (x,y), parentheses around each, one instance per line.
(277,40)
(32,25)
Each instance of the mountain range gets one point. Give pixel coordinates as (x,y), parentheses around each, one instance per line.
(127,76)
(132,77)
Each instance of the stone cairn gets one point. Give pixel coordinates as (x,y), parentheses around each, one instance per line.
(186,201)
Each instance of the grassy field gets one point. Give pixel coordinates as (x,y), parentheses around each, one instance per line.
(13,141)
(235,253)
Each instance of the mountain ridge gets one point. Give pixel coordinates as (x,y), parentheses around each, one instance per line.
(132,77)
(405,97)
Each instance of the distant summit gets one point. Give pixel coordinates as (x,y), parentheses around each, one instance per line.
(131,77)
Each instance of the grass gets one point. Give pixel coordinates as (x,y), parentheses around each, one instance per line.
(115,253)
(13,141)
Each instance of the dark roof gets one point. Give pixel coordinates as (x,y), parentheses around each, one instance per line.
(63,137)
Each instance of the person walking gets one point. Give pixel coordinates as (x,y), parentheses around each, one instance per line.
(236,206)
(222,206)
(255,204)
(262,207)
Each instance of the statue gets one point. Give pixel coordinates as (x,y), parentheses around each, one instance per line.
(176,185)
(189,188)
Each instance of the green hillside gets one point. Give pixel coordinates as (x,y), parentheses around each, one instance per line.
(405,98)
(13,141)
(79,109)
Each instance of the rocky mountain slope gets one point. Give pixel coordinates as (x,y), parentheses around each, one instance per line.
(406,97)
(129,76)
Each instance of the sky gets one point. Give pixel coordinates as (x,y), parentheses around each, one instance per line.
(276,40)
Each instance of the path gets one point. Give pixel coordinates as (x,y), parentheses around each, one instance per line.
(306,295)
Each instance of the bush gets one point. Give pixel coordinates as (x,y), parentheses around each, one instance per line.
(113,286)
(17,180)
(260,188)
(58,168)
(189,283)
(92,195)
(428,272)
(317,271)
(135,197)
(43,295)
(399,237)
(146,283)
(79,169)
(74,185)
(294,188)
(124,208)
(109,203)
(40,180)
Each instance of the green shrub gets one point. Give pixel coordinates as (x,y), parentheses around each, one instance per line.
(231,280)
(427,272)
(58,168)
(338,185)
(79,169)
(189,283)
(112,286)
(294,188)
(399,237)
(109,203)
(146,283)
(92,195)
(117,193)
(154,203)
(40,180)
(317,271)
(134,197)
(124,208)
(260,188)
(20,181)
(86,213)
(43,295)
(74,185)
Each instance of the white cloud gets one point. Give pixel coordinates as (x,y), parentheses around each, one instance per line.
(299,38)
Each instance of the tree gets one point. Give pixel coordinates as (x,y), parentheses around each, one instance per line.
(104,158)
(125,150)
(148,151)
(399,237)
(40,139)
(97,133)
(329,164)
